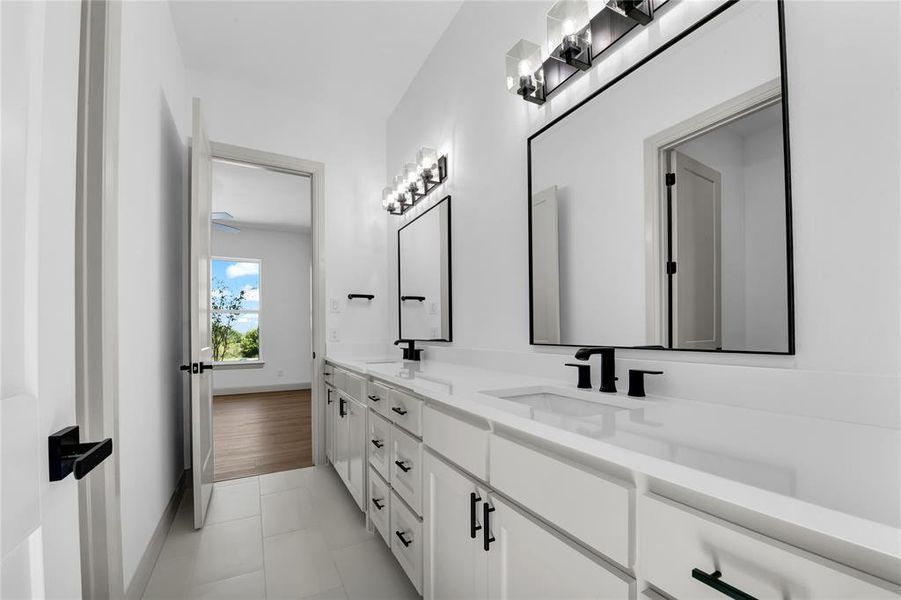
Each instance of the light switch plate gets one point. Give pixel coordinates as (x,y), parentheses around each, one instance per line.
(333,335)
(334,306)
(433,308)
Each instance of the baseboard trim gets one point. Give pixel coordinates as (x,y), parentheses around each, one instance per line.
(145,568)
(284,387)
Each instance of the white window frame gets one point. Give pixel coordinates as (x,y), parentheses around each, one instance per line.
(242,362)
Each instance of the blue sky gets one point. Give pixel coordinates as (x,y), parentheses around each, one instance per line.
(238,275)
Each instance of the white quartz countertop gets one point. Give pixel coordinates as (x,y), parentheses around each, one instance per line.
(839,479)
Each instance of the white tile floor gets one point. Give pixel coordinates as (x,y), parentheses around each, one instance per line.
(295,534)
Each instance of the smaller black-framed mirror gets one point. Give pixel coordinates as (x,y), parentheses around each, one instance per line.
(424,276)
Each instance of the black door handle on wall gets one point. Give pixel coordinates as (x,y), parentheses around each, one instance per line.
(205,367)
(487,509)
(66,454)
(715,581)
(474,499)
(194,368)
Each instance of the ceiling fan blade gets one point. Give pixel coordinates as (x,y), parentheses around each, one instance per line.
(221,216)
(225,228)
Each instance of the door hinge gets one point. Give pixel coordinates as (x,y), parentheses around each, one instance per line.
(671,267)
(670,179)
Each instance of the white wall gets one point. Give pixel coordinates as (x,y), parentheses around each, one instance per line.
(285,337)
(845,188)
(353,151)
(153,183)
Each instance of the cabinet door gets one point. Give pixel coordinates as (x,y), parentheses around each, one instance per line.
(356,450)
(526,560)
(454,562)
(330,412)
(342,447)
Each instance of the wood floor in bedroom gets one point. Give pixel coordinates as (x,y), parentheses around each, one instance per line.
(260,433)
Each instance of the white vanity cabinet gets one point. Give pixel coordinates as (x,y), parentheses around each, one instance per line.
(477,545)
(350,450)
(686,553)
(331,418)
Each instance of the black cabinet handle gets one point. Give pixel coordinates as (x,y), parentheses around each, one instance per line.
(715,581)
(374,398)
(403,540)
(399,411)
(403,466)
(474,499)
(487,509)
(341,411)
(66,454)
(378,503)
(377,443)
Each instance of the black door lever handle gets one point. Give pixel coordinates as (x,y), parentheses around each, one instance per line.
(194,368)
(66,454)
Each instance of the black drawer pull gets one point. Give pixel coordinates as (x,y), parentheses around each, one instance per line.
(487,509)
(403,466)
(399,411)
(715,581)
(377,443)
(374,398)
(378,503)
(341,411)
(403,540)
(474,499)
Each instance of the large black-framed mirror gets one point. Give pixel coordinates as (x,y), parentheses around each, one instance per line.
(660,206)
(424,308)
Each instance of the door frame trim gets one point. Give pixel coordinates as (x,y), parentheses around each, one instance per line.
(316,172)
(96,292)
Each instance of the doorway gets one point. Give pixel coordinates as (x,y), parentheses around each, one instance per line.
(261,325)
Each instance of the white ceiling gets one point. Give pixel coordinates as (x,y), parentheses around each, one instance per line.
(346,55)
(261,198)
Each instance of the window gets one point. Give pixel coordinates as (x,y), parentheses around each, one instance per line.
(235,309)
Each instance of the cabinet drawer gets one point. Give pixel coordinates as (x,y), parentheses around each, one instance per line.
(380,505)
(379,444)
(464,444)
(378,398)
(354,386)
(586,505)
(406,541)
(405,410)
(675,540)
(406,467)
(328,374)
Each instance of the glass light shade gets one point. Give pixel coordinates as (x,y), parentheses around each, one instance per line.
(568,18)
(427,159)
(524,62)
(411,175)
(388,196)
(400,189)
(637,10)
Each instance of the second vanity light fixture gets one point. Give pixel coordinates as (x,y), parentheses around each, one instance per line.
(571,25)
(416,182)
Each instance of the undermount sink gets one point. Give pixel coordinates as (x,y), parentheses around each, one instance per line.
(382,361)
(589,413)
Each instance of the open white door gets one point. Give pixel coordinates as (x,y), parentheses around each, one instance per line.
(201,342)
(39,518)
(697,303)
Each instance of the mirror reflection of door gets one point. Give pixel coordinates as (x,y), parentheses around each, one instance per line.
(545,268)
(696,254)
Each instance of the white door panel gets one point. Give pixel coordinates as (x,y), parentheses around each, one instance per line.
(201,343)
(39,520)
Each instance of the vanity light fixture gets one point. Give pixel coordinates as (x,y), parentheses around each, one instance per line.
(578,32)
(569,33)
(637,10)
(416,182)
(525,71)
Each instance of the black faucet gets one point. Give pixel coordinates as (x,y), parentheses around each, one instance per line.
(411,352)
(608,365)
